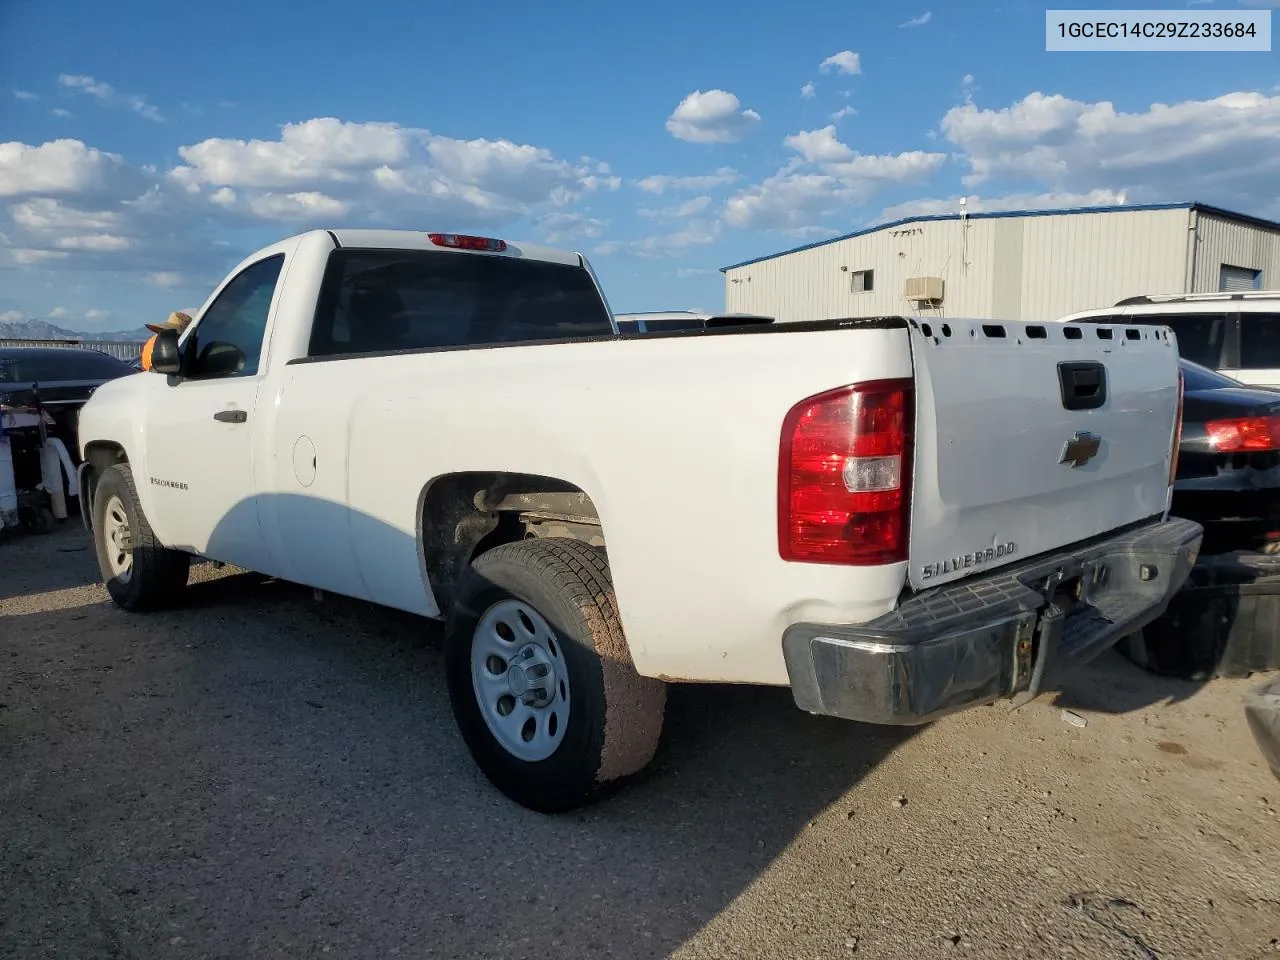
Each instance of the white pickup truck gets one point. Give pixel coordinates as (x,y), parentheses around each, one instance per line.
(897,518)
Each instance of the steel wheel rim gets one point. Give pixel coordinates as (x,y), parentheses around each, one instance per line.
(520,680)
(115,529)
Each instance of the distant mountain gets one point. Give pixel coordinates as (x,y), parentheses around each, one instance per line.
(44,330)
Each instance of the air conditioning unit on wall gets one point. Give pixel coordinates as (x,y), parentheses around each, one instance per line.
(924,289)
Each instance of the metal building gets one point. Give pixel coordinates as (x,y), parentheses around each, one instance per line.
(1023,265)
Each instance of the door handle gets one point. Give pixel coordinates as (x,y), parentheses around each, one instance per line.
(231,416)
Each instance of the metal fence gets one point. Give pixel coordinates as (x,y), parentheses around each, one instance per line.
(120,349)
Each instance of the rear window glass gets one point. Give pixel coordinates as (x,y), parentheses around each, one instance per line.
(386,300)
(1259,341)
(1200,335)
(51,366)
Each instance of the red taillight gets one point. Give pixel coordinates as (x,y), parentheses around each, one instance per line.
(1245,435)
(844,475)
(1177,431)
(461,242)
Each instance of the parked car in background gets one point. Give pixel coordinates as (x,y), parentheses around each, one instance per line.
(684,320)
(1236,334)
(895,519)
(1228,477)
(66,377)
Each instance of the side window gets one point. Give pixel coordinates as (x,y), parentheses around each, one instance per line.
(227,342)
(1259,341)
(1200,335)
(673,323)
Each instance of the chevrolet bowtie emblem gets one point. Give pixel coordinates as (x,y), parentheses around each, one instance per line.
(1080,449)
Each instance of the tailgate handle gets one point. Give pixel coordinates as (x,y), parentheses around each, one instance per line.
(1083,383)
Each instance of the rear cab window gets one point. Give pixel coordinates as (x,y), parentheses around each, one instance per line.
(384,301)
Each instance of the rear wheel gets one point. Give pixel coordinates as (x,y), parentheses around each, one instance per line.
(139,573)
(541,682)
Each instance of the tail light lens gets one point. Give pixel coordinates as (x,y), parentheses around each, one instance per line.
(1177,431)
(1244,435)
(844,475)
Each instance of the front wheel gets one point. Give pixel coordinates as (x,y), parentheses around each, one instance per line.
(139,573)
(542,684)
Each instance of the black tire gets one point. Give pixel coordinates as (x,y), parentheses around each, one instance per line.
(615,715)
(157,575)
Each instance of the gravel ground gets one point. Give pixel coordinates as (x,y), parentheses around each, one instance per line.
(264,775)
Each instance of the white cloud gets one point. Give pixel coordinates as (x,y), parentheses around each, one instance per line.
(842,113)
(26,95)
(1014,201)
(324,149)
(565,226)
(919,21)
(819,146)
(59,313)
(680,211)
(687,273)
(784,201)
(56,167)
(660,183)
(27,257)
(808,91)
(47,214)
(694,234)
(1224,150)
(846,61)
(326,169)
(108,94)
(59,112)
(305,205)
(74,207)
(823,148)
(711,117)
(165,279)
(97,242)
(12,316)
(828,178)
(96,314)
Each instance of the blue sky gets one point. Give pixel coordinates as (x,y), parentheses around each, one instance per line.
(145,147)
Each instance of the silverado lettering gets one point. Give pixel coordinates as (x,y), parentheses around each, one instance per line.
(977,558)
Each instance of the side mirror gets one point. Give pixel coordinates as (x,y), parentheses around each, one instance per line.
(165,356)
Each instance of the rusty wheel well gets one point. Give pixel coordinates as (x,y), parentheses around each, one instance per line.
(100,455)
(461,515)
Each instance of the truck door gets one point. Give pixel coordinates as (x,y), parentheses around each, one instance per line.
(200,450)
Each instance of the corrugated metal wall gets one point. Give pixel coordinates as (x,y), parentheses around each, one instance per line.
(1083,261)
(1016,268)
(1235,244)
(809,284)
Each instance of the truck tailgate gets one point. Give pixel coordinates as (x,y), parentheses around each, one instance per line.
(1031,437)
